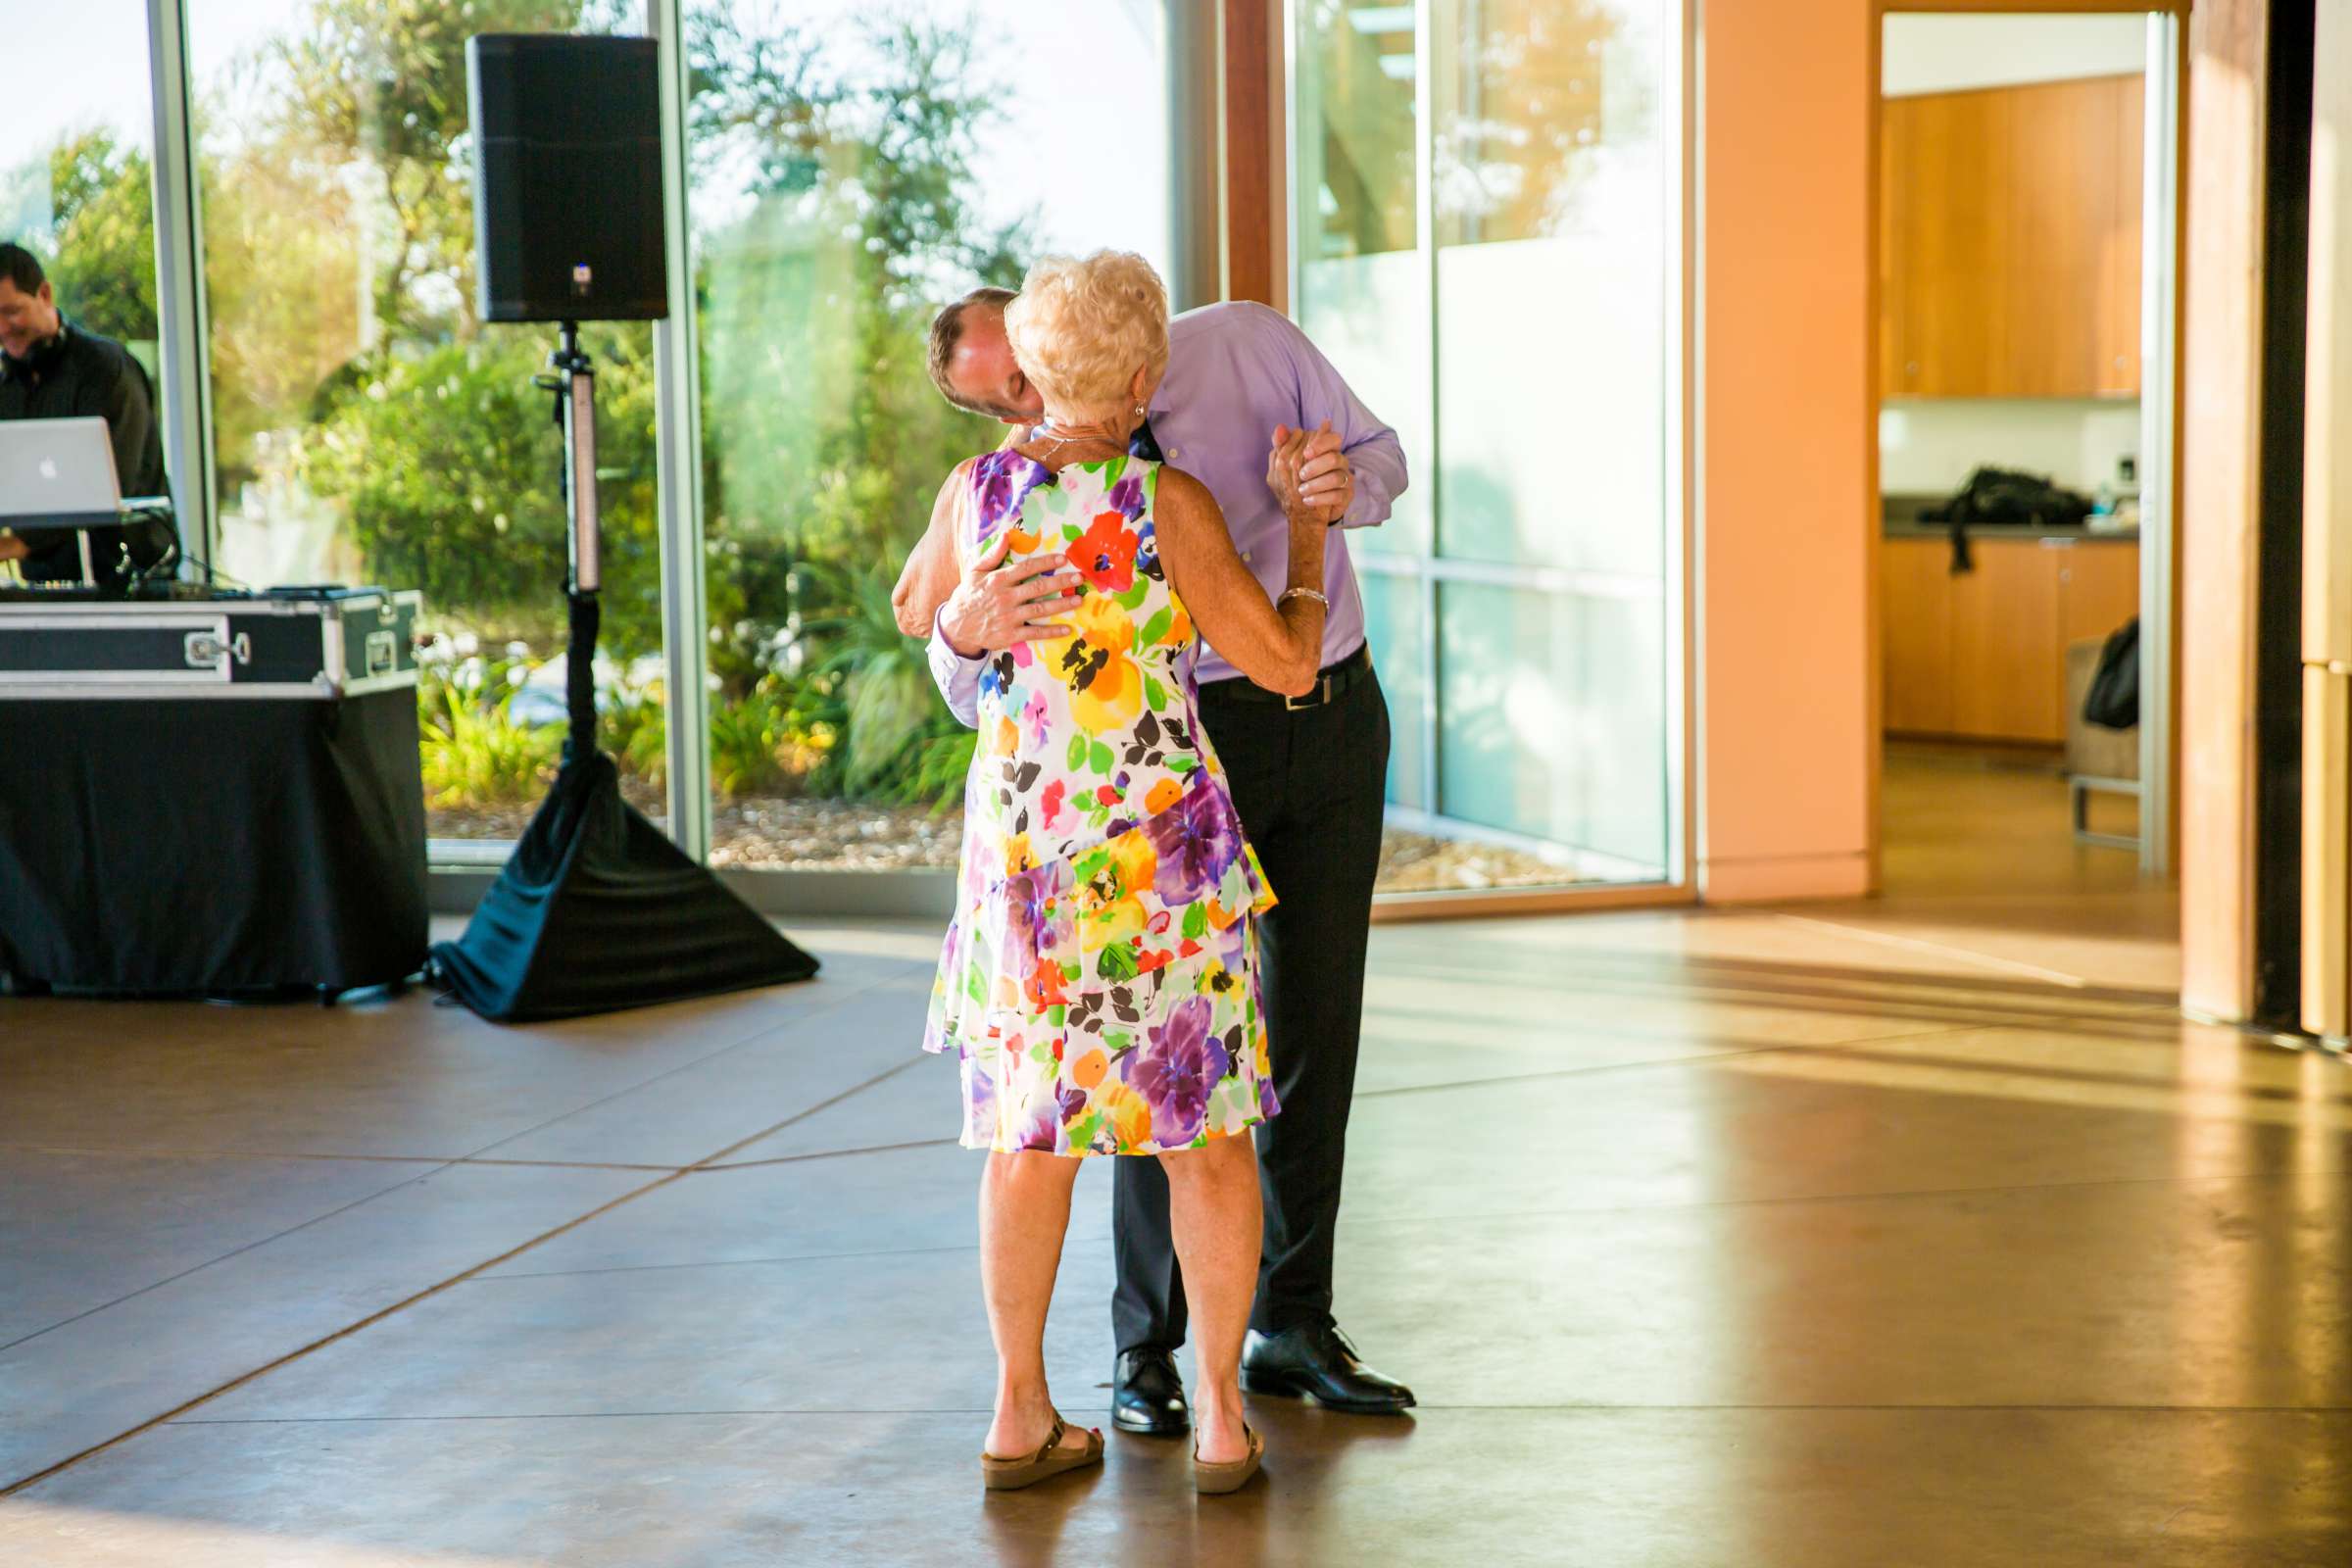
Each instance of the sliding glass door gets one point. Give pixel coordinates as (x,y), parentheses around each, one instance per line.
(1487,243)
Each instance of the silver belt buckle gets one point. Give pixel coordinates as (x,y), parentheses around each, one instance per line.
(1314,699)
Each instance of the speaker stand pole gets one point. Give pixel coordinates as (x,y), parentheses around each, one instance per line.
(574,386)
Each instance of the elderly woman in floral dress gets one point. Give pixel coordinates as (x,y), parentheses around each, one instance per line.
(1100,980)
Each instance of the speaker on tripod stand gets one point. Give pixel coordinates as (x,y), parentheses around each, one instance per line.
(596,909)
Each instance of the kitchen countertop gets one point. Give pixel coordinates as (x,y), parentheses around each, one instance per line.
(1979,532)
(1899,515)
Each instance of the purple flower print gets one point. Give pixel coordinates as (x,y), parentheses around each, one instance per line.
(1036,715)
(1002,480)
(1041,1130)
(1128,496)
(1036,916)
(1197,838)
(1178,1071)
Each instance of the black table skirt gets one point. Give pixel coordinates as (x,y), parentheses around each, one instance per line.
(172,846)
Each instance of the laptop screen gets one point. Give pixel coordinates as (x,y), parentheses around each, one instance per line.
(57,474)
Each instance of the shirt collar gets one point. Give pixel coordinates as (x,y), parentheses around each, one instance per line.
(44,356)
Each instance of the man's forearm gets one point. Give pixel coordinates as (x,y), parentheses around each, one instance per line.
(957,677)
(1380,478)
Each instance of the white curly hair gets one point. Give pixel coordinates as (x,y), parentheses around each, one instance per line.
(1081,327)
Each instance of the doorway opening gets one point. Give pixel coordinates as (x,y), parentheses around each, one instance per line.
(2025,242)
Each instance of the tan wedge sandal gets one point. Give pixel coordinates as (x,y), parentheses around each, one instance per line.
(1010,1475)
(1214,1480)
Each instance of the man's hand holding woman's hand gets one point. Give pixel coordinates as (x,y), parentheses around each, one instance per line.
(1320,471)
(992,609)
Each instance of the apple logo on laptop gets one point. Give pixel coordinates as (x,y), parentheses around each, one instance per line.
(48,467)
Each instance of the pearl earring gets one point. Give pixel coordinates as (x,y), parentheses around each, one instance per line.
(1139,410)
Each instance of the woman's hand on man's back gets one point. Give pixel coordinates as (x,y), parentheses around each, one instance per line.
(996,606)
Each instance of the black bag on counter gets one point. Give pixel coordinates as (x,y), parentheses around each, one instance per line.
(2112,701)
(2006,497)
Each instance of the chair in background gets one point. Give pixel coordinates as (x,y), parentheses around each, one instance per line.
(2096,758)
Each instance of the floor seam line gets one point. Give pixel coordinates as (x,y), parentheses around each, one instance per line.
(729,1262)
(1792,1199)
(752,1039)
(346,1159)
(374,1318)
(1421,1408)
(2057,977)
(232,1253)
(1678,1062)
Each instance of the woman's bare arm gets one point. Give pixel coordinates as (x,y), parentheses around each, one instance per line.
(1278,648)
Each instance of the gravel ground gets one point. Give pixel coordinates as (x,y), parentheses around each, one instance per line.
(777,832)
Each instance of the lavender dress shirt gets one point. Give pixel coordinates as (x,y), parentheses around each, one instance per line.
(1235,372)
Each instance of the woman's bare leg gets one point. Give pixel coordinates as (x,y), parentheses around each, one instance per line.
(1218,1215)
(1024,1211)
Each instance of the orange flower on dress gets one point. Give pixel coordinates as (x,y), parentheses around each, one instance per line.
(1164,794)
(1044,986)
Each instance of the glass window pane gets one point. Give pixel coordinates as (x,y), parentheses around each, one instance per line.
(75,187)
(369,426)
(1551,279)
(1361,289)
(76,181)
(830,219)
(1484,233)
(1552,723)
(1396,627)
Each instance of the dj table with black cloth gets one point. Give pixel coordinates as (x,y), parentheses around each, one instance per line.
(173,845)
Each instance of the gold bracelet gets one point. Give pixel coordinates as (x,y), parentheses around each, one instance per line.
(1290,594)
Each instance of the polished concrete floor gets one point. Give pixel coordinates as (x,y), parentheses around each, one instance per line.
(1913,1232)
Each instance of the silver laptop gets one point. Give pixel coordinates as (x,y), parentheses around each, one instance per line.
(57,474)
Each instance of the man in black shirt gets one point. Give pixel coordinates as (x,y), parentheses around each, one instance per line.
(51,368)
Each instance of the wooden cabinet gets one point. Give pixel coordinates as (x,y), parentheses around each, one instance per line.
(1981,655)
(1915,635)
(2006,671)
(2009,241)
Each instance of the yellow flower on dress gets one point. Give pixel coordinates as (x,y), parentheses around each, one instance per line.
(1130,1117)
(1018,855)
(1107,690)
(1180,627)
(1110,906)
(1219,981)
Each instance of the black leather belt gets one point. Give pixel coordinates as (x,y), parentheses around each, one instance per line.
(1333,679)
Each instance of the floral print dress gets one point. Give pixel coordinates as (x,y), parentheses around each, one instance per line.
(1099,981)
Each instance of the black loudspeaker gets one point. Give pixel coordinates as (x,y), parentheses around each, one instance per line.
(567,178)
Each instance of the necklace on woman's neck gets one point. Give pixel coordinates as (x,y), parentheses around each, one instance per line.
(1060,436)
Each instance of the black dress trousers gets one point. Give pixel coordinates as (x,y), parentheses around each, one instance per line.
(1310,785)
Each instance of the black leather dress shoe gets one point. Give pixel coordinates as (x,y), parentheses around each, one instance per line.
(1317,1363)
(1147,1395)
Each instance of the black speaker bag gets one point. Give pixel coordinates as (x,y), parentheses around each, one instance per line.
(598,911)
(567,213)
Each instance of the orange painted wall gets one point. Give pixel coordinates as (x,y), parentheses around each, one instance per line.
(1786,744)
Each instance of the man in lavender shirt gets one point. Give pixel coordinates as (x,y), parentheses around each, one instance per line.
(1308,775)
